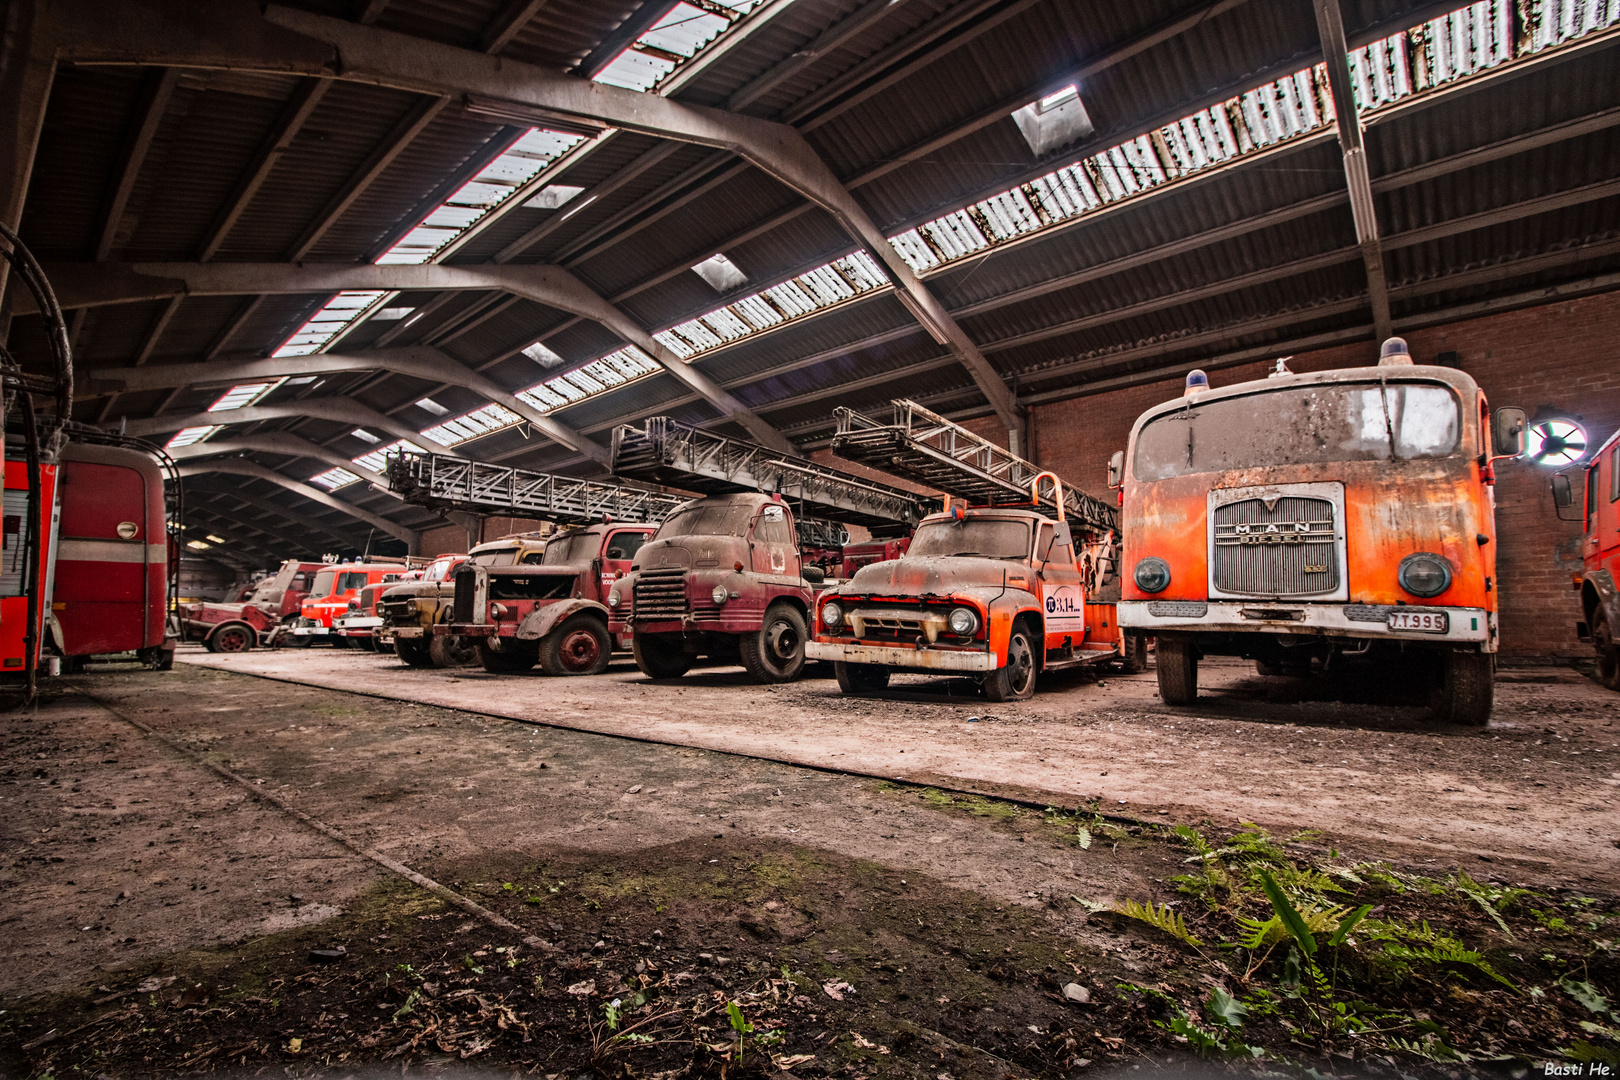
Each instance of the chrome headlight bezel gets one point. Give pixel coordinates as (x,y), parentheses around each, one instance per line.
(613,598)
(832,615)
(719,594)
(1416,563)
(1152,574)
(962,621)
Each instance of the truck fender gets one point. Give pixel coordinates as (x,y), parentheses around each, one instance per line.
(543,620)
(1598,590)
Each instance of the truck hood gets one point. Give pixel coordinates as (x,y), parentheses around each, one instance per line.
(936,576)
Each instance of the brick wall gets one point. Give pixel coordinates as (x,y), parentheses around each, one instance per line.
(1559,359)
(454,538)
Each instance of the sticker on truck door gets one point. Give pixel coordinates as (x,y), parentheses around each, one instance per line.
(1065,610)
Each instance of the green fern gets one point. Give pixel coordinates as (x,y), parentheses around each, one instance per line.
(1161,917)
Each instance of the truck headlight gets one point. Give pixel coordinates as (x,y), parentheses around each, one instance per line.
(962,621)
(1424,574)
(719,594)
(1152,574)
(613,598)
(832,616)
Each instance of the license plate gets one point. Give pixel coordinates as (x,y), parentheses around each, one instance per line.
(1424,622)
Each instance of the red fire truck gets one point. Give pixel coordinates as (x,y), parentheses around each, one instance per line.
(329,597)
(1600,556)
(234,627)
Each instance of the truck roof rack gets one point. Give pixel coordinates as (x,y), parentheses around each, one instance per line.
(923,446)
(450,483)
(667,451)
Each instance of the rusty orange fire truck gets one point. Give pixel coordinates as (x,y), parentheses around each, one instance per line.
(1302,519)
(1600,555)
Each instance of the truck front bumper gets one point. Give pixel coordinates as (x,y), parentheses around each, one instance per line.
(1361,621)
(920,659)
(466,630)
(311,631)
(357,626)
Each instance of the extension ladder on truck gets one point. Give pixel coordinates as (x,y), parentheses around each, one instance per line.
(449,483)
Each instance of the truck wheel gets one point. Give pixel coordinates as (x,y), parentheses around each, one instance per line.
(513,656)
(450,650)
(775,652)
(580,646)
(1608,651)
(1177,661)
(1015,680)
(413,651)
(1466,690)
(659,656)
(232,637)
(164,661)
(293,641)
(1133,659)
(860,678)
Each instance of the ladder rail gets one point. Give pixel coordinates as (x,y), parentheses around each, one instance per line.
(442,482)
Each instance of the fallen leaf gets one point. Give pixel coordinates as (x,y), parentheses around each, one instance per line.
(155,983)
(294,1045)
(835,989)
(786,1062)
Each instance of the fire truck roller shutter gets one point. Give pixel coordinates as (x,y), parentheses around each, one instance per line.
(111,582)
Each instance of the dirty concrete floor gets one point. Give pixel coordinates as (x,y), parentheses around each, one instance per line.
(1356,757)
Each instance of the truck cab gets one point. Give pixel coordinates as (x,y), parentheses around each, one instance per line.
(329,596)
(411,610)
(552,613)
(722,577)
(1600,555)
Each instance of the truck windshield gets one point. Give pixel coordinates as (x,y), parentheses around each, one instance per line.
(708,519)
(504,557)
(992,538)
(438,571)
(349,581)
(1301,425)
(578,548)
(323,584)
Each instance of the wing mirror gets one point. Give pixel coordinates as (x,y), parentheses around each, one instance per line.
(1507,432)
(1563,494)
(1062,535)
(1116,470)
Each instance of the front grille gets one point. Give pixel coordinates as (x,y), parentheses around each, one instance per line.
(394,610)
(889,628)
(1288,549)
(463,603)
(660,594)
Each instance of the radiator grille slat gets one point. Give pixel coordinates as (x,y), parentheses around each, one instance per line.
(660,594)
(1291,549)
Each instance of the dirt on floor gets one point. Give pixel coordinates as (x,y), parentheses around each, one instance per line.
(631,908)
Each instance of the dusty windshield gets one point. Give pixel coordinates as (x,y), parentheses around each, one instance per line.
(708,519)
(323,584)
(991,538)
(504,557)
(1301,425)
(438,571)
(578,548)
(351,581)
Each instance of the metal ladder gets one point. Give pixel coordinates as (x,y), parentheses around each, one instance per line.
(449,483)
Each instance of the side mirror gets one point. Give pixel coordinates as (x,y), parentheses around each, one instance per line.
(813,575)
(1062,536)
(1507,432)
(1116,470)
(1563,494)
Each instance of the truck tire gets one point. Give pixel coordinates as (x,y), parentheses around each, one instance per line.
(860,678)
(775,652)
(232,637)
(1466,690)
(1015,680)
(580,646)
(512,657)
(659,656)
(293,641)
(449,650)
(1133,654)
(1608,650)
(413,651)
(1177,662)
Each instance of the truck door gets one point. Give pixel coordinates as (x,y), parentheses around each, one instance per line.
(1062,594)
(102,582)
(618,550)
(1605,484)
(775,553)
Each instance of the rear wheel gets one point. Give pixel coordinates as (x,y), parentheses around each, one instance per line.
(450,650)
(512,656)
(1015,680)
(660,656)
(1133,654)
(1608,650)
(1467,689)
(1177,662)
(580,646)
(775,652)
(860,678)
(294,641)
(233,637)
(413,651)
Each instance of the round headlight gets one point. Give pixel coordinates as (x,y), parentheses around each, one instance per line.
(1152,574)
(719,594)
(1424,574)
(832,616)
(613,598)
(962,621)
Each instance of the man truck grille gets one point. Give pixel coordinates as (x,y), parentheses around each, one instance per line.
(660,594)
(1290,549)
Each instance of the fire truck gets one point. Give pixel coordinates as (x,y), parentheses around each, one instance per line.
(1600,555)
(274,602)
(329,596)
(994,590)
(724,576)
(1306,520)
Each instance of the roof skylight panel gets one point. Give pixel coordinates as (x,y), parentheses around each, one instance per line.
(757,312)
(700,336)
(861,271)
(1008,215)
(582,381)
(826,285)
(542,397)
(725,323)
(675,343)
(954,235)
(1553,22)
(377,460)
(790,298)
(915,250)
(332,319)
(565,389)
(189,436)
(244,394)
(680,35)
(334,478)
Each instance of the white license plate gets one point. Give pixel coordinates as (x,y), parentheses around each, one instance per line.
(1424,622)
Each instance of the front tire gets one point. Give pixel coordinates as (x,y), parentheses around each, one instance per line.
(860,678)
(1014,681)
(1133,654)
(660,656)
(231,638)
(513,656)
(450,650)
(775,652)
(1608,651)
(1467,689)
(580,646)
(1177,662)
(413,651)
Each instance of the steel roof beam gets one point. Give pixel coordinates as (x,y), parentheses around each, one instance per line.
(251,544)
(278,442)
(339,410)
(243,467)
(27,71)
